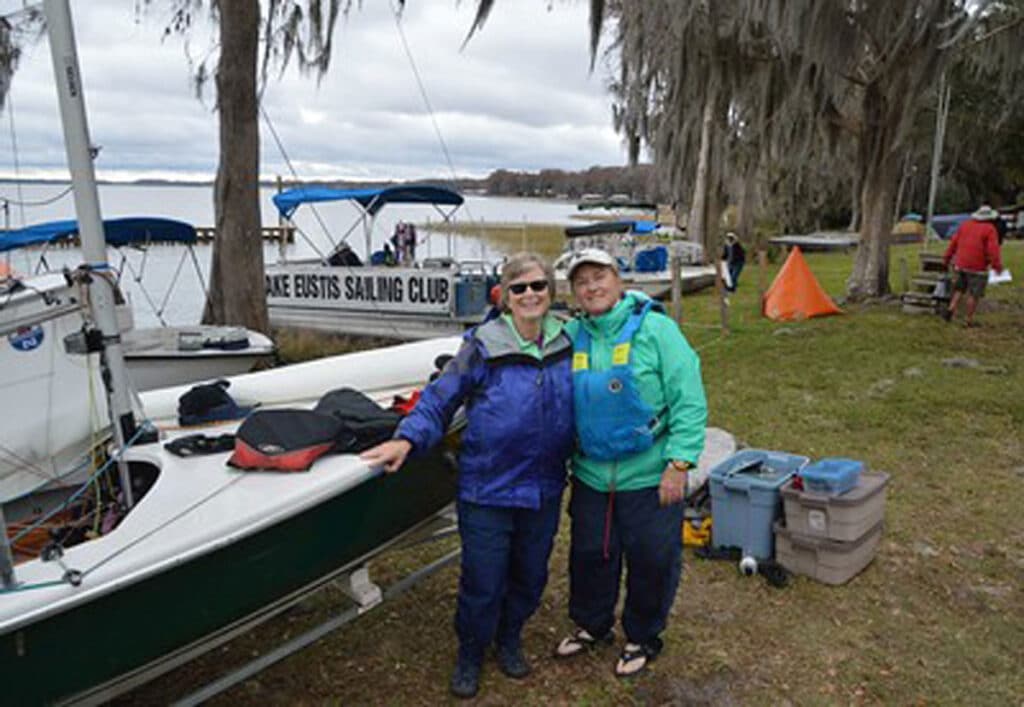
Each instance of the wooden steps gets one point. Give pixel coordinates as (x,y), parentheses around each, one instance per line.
(922,297)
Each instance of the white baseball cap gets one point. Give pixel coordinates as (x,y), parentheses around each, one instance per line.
(592,256)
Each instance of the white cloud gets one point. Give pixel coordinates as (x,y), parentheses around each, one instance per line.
(519,96)
(311,117)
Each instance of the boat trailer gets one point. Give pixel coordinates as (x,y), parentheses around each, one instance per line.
(360,588)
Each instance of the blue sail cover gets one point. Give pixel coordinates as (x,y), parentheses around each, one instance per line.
(945,225)
(118,232)
(373,200)
(607,227)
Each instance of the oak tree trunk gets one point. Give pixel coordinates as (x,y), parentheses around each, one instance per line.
(879,169)
(236,272)
(698,225)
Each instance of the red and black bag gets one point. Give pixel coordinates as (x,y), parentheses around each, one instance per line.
(284,440)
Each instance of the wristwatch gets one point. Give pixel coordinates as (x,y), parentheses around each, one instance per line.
(681,465)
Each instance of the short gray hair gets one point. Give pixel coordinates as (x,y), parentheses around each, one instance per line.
(520,263)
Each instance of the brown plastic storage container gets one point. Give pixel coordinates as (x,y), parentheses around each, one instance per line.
(827,561)
(846,517)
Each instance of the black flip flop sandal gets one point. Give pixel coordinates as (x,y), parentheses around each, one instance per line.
(581,640)
(634,660)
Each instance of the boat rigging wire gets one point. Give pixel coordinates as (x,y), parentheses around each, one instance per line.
(85,485)
(14,157)
(295,175)
(21,202)
(145,536)
(396,11)
(38,202)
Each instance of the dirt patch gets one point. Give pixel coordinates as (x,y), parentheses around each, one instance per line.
(713,691)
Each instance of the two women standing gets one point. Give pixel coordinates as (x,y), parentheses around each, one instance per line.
(621,385)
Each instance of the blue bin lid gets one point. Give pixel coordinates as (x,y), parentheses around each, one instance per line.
(832,468)
(758,468)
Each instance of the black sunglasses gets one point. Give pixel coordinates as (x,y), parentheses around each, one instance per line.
(518,288)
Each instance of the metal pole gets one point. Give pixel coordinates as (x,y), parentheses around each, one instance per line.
(940,136)
(70,96)
(282,243)
(676,273)
(7,579)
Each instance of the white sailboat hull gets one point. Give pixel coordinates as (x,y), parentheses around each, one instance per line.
(203,524)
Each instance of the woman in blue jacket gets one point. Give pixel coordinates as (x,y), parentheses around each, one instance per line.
(513,374)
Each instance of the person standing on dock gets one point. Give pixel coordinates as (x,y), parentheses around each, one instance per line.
(514,377)
(973,249)
(404,240)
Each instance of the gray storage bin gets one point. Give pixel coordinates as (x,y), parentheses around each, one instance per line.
(846,517)
(827,561)
(745,498)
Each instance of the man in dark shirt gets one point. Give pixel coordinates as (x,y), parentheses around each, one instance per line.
(735,258)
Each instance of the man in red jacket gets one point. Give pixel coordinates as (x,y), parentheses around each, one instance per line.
(973,249)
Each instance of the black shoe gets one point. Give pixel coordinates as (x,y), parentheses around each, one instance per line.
(946,314)
(512,662)
(465,680)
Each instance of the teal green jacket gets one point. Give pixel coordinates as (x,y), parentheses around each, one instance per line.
(667,373)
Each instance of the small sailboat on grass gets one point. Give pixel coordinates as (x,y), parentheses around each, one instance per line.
(153,558)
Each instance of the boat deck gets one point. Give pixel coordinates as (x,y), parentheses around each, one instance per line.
(824,241)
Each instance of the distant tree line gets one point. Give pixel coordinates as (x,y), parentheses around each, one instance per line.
(639,182)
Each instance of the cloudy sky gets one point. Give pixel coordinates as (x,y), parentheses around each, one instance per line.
(519,96)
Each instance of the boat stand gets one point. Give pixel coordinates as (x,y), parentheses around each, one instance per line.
(358,586)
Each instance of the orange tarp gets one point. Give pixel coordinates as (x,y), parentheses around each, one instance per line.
(796,294)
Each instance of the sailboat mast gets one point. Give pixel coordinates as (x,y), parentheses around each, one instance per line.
(70,96)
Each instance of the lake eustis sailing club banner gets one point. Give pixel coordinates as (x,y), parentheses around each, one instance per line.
(404,290)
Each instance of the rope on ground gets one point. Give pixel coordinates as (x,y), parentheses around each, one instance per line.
(717,340)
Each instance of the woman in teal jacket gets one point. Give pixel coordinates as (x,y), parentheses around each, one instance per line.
(640,421)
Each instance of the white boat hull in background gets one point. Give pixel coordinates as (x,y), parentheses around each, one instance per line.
(155,360)
(375,372)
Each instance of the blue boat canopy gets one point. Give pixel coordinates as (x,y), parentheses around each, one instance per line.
(373,200)
(607,227)
(118,232)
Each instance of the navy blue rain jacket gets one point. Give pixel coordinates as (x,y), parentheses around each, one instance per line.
(519,415)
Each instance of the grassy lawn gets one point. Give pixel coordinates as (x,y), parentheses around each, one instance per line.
(937,618)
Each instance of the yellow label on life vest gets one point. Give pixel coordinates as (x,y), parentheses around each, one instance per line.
(620,355)
(580,361)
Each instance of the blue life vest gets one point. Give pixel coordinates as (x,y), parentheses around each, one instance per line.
(612,420)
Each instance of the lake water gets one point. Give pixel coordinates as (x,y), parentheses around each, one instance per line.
(156,267)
